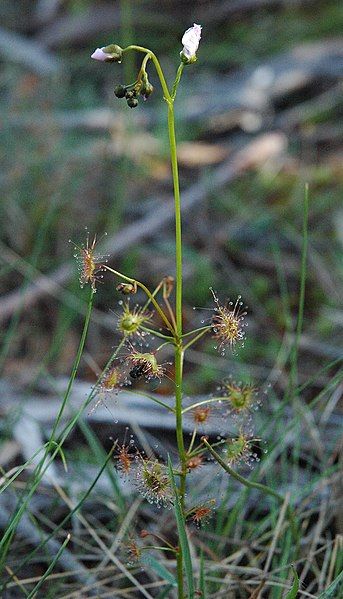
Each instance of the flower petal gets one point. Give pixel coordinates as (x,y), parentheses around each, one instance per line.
(99,54)
(190,41)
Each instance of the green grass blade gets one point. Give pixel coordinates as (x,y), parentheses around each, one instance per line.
(293,375)
(61,453)
(292,594)
(335,589)
(97,450)
(181,528)
(50,568)
(8,481)
(165,593)
(159,569)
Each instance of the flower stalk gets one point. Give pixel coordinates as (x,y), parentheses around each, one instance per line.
(179,350)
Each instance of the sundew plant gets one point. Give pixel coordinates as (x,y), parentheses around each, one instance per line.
(151,331)
(160,317)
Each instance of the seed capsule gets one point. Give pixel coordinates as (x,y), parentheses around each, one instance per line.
(132,102)
(120,91)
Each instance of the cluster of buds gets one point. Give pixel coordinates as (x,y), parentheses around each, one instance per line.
(141,87)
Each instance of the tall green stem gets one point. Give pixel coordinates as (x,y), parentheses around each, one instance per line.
(179,352)
(178,237)
(293,376)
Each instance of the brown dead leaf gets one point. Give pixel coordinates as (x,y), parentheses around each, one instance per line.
(197,153)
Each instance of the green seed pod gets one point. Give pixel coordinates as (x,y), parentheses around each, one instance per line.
(120,91)
(132,102)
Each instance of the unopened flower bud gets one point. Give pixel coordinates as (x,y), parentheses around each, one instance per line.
(120,91)
(147,91)
(190,41)
(146,87)
(111,53)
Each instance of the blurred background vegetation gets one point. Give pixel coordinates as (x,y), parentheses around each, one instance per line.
(258,116)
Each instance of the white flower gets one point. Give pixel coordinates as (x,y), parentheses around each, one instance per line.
(190,40)
(111,53)
(99,54)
